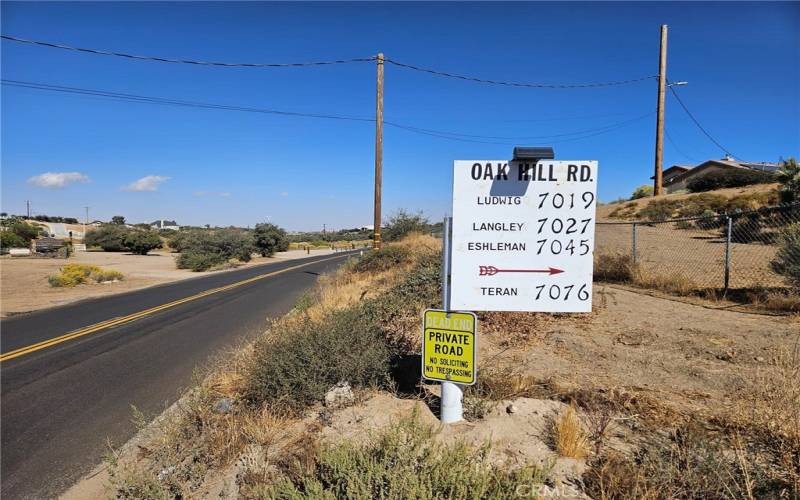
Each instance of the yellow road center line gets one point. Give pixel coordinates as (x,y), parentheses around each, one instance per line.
(132,317)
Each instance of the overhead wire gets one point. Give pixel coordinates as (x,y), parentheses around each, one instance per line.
(399,64)
(696,122)
(519,84)
(456,136)
(184,61)
(675,146)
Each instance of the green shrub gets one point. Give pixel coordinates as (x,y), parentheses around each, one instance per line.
(294,368)
(642,192)
(659,210)
(745,228)
(787,258)
(9,239)
(16,233)
(205,249)
(199,261)
(384,259)
(709,220)
(789,177)
(728,179)
(693,206)
(180,241)
(407,462)
(109,237)
(269,238)
(403,223)
(141,242)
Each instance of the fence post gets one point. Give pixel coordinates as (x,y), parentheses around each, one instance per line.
(728,253)
(633,250)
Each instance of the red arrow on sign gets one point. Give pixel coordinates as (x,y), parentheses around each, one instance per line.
(491,270)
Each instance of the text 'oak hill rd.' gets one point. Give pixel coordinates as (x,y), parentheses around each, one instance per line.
(523,235)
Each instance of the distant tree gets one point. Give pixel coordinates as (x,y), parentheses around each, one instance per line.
(3,214)
(12,240)
(402,223)
(269,238)
(109,237)
(642,192)
(118,220)
(141,242)
(789,177)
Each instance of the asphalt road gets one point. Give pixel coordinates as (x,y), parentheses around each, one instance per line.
(63,403)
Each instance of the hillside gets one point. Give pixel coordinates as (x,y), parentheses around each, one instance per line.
(753,196)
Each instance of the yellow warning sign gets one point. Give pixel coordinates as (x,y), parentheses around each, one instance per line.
(448,346)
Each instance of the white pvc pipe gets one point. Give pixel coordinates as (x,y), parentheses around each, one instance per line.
(452,409)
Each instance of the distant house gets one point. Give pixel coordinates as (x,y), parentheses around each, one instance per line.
(165,224)
(677,177)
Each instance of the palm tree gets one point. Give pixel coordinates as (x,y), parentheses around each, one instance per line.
(789,176)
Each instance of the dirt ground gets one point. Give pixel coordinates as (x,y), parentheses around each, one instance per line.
(24,286)
(691,357)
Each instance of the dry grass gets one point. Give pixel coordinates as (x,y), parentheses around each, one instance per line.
(569,436)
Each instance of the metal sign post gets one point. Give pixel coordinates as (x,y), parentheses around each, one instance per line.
(452,409)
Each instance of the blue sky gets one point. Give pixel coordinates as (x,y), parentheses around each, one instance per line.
(202,166)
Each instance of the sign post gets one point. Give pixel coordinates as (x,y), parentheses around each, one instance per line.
(521,239)
(523,235)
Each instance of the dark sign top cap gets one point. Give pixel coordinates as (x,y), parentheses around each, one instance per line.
(522,153)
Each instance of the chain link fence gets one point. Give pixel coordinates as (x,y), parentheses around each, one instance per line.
(721,251)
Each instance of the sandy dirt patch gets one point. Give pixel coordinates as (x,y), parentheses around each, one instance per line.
(25,288)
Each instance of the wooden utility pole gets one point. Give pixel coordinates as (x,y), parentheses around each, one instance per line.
(28,204)
(376,242)
(662,88)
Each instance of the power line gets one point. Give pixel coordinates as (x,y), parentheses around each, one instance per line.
(679,150)
(519,84)
(184,61)
(456,136)
(720,146)
(174,102)
(41,43)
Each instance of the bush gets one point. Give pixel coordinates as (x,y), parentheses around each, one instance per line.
(402,223)
(182,240)
(382,260)
(659,210)
(206,249)
(407,461)
(642,192)
(787,258)
(141,242)
(16,233)
(693,206)
(728,179)
(614,268)
(709,220)
(9,239)
(269,238)
(75,274)
(789,177)
(293,369)
(109,237)
(744,228)
(199,261)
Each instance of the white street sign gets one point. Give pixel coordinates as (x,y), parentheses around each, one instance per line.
(523,235)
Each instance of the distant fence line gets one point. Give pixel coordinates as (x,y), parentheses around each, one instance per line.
(722,251)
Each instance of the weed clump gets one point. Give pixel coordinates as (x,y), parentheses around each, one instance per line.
(406,462)
(75,274)
(569,436)
(614,268)
(382,260)
(292,369)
